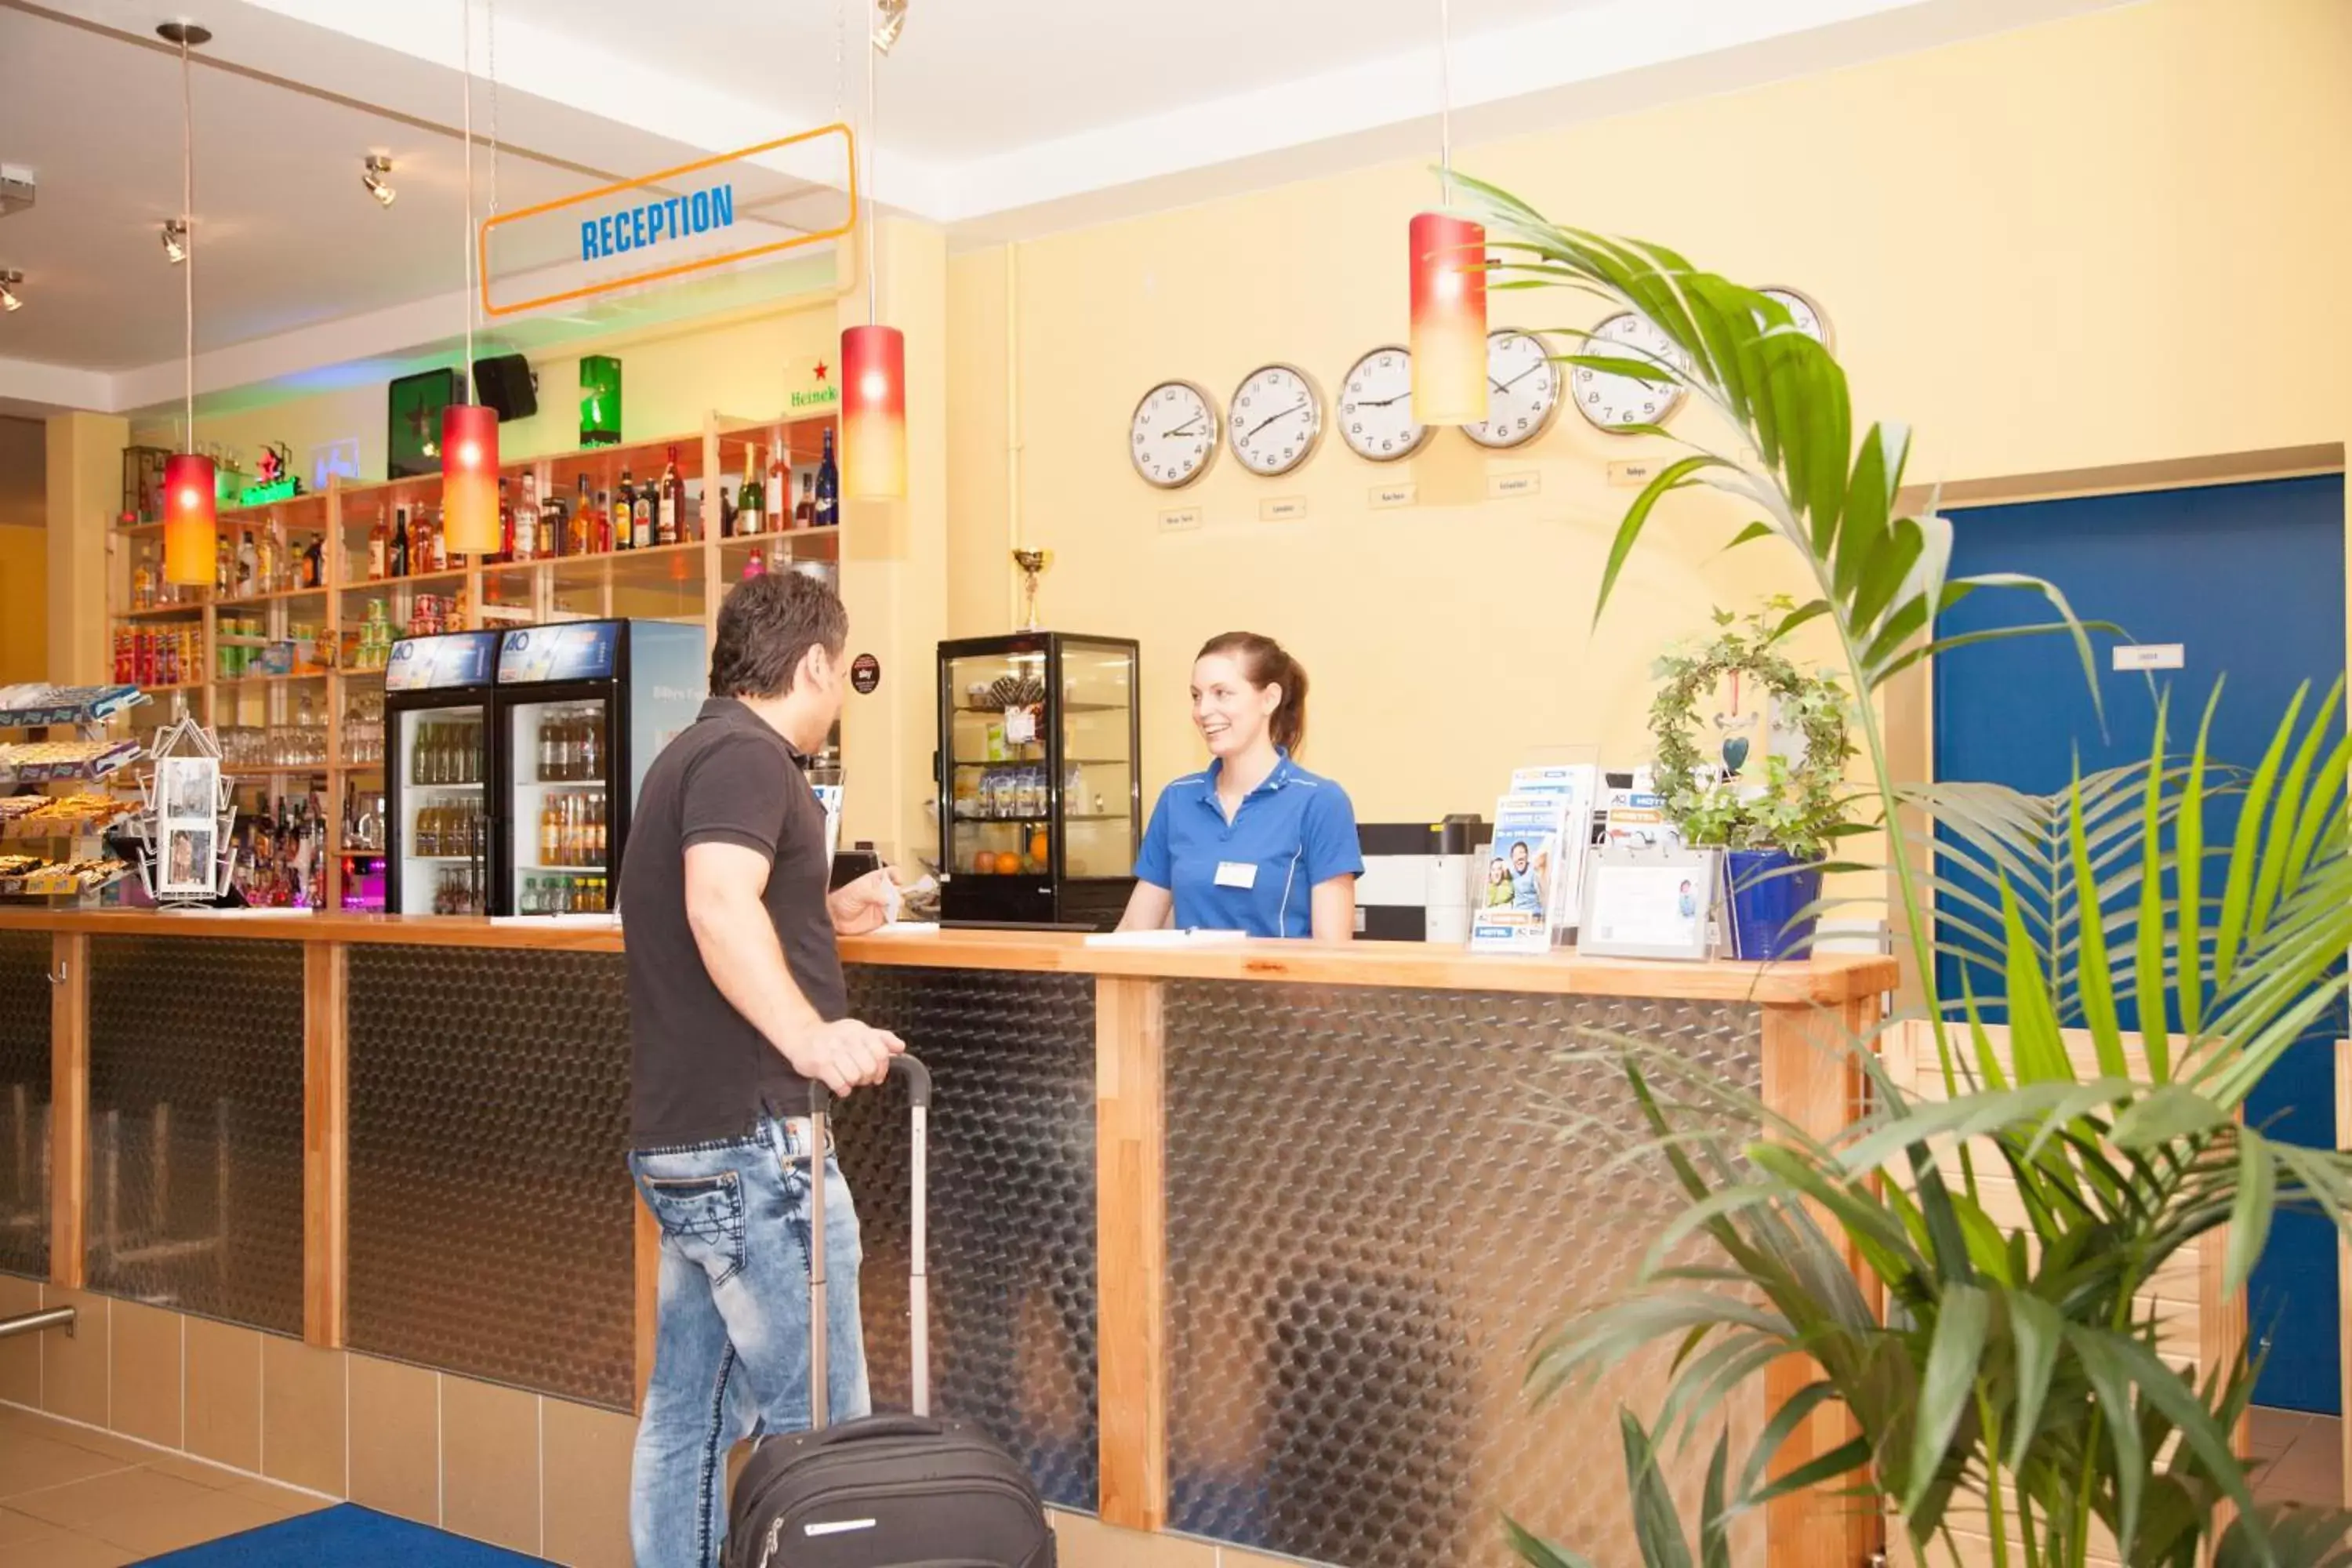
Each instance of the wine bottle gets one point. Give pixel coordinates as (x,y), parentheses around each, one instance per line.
(828,486)
(804,515)
(750,508)
(669,527)
(400,542)
(625,514)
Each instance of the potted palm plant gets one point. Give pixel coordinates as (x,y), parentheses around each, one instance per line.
(1773,815)
(2149,978)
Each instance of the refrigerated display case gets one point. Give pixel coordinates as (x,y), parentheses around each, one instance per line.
(1040,806)
(441,781)
(582,708)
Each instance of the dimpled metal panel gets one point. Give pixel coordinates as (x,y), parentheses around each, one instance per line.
(490,1206)
(25,957)
(1012,1260)
(1374,1213)
(196,1092)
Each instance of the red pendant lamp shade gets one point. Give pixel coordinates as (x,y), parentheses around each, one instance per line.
(1449,319)
(470,478)
(874,416)
(190,520)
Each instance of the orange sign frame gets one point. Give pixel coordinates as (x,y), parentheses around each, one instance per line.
(699,264)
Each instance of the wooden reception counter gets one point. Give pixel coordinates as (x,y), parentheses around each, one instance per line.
(1247,1242)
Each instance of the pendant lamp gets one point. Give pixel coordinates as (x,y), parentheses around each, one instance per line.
(469,431)
(191,516)
(1449,285)
(874,357)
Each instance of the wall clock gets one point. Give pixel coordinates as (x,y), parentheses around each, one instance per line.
(1805,313)
(1375,413)
(1522,389)
(1617,403)
(1275,419)
(1172,435)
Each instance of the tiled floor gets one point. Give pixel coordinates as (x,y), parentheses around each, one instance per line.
(2301,1457)
(74,1498)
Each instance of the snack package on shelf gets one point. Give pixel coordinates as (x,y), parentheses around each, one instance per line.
(32,760)
(30,877)
(38,702)
(59,816)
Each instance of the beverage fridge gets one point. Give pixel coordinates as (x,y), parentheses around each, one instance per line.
(441,774)
(582,710)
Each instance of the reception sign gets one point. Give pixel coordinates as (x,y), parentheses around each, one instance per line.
(761,201)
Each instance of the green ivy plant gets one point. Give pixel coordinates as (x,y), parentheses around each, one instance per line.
(1798,808)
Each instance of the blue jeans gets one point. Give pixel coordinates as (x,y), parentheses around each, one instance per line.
(731,1342)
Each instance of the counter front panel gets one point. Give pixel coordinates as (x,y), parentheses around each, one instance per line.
(1012,1260)
(1378,1202)
(24,968)
(195,1094)
(491,1229)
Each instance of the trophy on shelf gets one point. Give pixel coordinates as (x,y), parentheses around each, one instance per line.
(1033,562)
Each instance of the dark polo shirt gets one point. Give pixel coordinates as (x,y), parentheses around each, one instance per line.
(698,1070)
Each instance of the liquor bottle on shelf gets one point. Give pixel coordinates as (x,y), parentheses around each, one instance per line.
(750,509)
(641,516)
(582,538)
(314,563)
(378,550)
(669,527)
(399,557)
(779,493)
(222,571)
(804,514)
(828,486)
(436,541)
(143,583)
(755,565)
(505,552)
(547,528)
(625,514)
(248,563)
(526,529)
(600,540)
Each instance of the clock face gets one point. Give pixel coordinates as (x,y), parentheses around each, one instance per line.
(1172,435)
(1803,313)
(1275,419)
(1621,401)
(1376,407)
(1522,389)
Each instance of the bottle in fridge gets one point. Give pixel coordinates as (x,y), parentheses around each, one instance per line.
(582,708)
(441,776)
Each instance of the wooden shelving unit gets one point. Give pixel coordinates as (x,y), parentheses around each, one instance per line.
(674,583)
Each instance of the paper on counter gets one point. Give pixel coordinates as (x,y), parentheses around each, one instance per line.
(1160,938)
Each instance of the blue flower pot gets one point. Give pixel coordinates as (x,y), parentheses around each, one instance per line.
(1764,901)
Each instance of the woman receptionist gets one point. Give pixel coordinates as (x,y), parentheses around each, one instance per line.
(1257,843)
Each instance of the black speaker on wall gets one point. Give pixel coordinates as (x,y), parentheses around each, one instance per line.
(504,381)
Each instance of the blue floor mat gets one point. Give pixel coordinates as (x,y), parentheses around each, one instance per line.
(346,1537)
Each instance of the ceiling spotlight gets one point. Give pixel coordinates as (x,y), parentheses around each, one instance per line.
(9,283)
(892,21)
(378,187)
(176,240)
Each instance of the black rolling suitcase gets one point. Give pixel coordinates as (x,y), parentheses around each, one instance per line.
(888,1492)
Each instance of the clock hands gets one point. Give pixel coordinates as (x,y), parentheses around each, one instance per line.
(1506,385)
(1186,429)
(1384,402)
(1294,408)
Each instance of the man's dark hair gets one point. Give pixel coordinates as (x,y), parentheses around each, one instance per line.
(766,628)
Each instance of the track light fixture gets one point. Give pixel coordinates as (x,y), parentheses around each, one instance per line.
(176,240)
(9,283)
(373,177)
(892,23)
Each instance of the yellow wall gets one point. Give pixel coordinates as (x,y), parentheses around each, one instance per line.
(2028,245)
(25,622)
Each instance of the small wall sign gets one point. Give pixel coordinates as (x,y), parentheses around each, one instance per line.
(865,674)
(1504,486)
(1288,508)
(2149,656)
(1180,521)
(1386,497)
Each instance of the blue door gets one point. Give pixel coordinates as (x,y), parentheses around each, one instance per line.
(2249,579)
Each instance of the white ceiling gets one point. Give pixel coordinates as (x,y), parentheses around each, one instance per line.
(999,118)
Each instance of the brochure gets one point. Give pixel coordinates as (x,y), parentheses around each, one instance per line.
(1573,785)
(1519,898)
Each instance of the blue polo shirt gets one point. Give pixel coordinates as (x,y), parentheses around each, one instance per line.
(1292,832)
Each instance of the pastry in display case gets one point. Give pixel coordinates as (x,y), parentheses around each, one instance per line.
(1040,803)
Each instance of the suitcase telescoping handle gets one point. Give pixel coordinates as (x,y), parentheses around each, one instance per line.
(919,1092)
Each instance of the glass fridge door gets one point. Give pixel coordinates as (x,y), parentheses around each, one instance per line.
(1001,808)
(444,838)
(562,759)
(1101,834)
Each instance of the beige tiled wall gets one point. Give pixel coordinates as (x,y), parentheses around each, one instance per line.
(538,1474)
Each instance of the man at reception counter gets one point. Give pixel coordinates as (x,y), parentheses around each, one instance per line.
(1257,843)
(737,1002)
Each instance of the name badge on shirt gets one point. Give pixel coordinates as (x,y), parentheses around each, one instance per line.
(1237,874)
